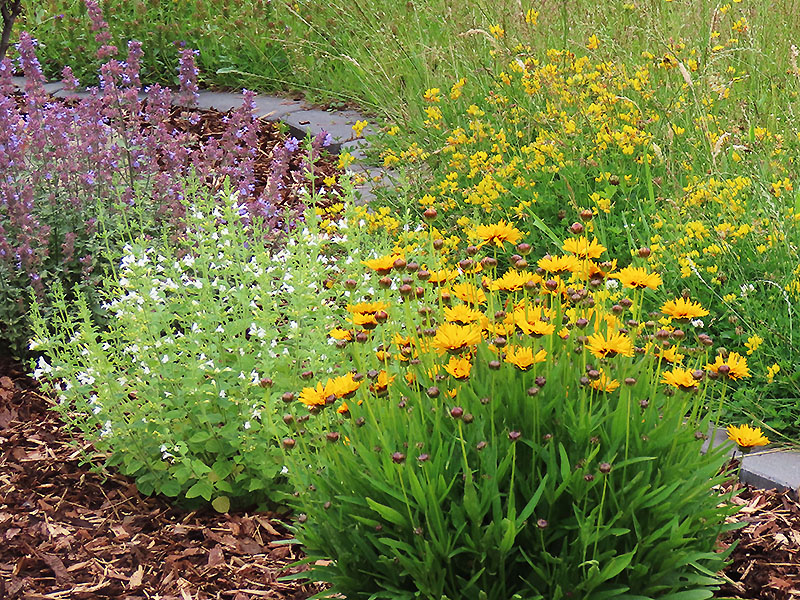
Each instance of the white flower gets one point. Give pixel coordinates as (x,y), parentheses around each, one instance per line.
(247,425)
(612,284)
(698,323)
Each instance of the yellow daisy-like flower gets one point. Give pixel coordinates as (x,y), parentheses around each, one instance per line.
(365,320)
(683,309)
(381,383)
(511,281)
(455,338)
(462,314)
(604,383)
(383,264)
(458,367)
(583,248)
(746,437)
(523,358)
(317,396)
(343,386)
(443,276)
(608,347)
(735,366)
(671,355)
(466,292)
(560,265)
(592,270)
(367,307)
(680,378)
(498,234)
(532,324)
(340,334)
(639,278)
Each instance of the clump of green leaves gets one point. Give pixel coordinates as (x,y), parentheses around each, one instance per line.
(177,387)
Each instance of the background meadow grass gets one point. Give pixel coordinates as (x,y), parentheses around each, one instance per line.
(719,82)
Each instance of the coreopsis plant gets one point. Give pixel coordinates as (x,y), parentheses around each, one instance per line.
(177,388)
(519,433)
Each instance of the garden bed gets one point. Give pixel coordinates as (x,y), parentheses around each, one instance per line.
(70,531)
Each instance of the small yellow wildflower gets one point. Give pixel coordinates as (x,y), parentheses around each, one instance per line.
(358,128)
(753,343)
(746,437)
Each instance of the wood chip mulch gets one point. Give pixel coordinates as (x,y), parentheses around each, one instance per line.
(766,562)
(67,532)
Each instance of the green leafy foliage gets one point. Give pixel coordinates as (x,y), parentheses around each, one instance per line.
(177,386)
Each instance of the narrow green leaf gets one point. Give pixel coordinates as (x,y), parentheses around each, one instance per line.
(388,513)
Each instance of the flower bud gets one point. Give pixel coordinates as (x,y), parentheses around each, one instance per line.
(524,249)
(481,445)
(423,275)
(399,264)
(494,365)
(288,443)
(499,341)
(472,250)
(541,380)
(605,468)
(398,458)
(430,214)
(332,436)
(468,418)
(456,412)
(265,382)
(630,381)
(581,323)
(405,290)
(586,215)
(288,419)
(466,264)
(423,458)
(306,375)
(532,391)
(576,228)
(542,524)
(514,435)
(438,243)
(433,392)
(644,252)
(488,262)
(287,397)
(362,337)
(350,284)
(412,267)
(385,282)
(360,421)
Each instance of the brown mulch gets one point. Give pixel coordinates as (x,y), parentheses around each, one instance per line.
(766,562)
(69,533)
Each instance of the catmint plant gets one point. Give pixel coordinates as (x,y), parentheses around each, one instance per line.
(63,163)
(177,387)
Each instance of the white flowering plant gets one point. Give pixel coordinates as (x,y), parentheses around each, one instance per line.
(177,386)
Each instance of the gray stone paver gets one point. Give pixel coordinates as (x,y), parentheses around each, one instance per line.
(765,468)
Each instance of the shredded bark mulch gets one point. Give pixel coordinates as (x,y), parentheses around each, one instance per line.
(67,532)
(766,562)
